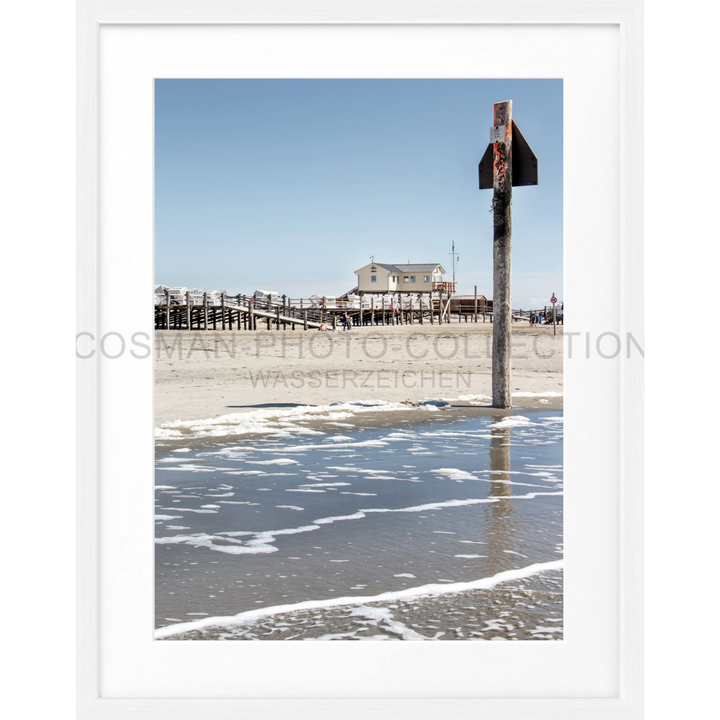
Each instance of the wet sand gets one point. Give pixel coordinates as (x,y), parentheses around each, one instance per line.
(528,609)
(208,374)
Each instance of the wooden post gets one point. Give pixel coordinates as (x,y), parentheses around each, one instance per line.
(360,320)
(476,304)
(372,311)
(167,309)
(502,251)
(205,311)
(305,319)
(277,317)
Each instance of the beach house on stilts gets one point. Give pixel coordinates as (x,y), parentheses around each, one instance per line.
(384,278)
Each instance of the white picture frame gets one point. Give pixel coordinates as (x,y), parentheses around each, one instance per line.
(626,15)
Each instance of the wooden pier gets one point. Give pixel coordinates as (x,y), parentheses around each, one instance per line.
(244,312)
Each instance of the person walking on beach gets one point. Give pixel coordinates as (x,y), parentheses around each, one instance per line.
(346,321)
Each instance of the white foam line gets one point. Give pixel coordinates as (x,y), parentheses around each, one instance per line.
(513,421)
(262,540)
(265,421)
(329,520)
(187,468)
(467,398)
(301,449)
(259,543)
(201,511)
(333,484)
(434,589)
(459,503)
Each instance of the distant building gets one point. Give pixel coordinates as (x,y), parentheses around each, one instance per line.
(465,304)
(415,278)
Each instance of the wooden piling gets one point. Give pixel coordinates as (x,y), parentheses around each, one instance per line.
(502,251)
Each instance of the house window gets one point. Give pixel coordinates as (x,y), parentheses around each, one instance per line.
(394,278)
(426,278)
(406,278)
(373,278)
(412,278)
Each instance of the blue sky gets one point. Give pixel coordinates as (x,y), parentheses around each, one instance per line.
(291,185)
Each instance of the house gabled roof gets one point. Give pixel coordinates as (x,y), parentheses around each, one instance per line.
(391,268)
(417,267)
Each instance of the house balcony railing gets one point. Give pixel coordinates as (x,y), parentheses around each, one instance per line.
(444,287)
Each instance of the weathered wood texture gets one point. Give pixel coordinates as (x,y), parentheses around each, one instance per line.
(502,251)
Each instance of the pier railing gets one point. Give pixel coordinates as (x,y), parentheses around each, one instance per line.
(222,311)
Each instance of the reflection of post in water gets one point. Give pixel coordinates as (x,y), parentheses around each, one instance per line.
(500,527)
(500,460)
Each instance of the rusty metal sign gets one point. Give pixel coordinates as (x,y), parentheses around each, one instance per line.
(524,162)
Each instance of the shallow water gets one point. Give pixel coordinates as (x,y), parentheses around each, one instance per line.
(357,511)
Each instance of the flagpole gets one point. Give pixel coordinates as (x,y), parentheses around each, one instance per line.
(453,253)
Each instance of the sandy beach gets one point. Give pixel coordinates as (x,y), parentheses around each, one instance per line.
(208,374)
